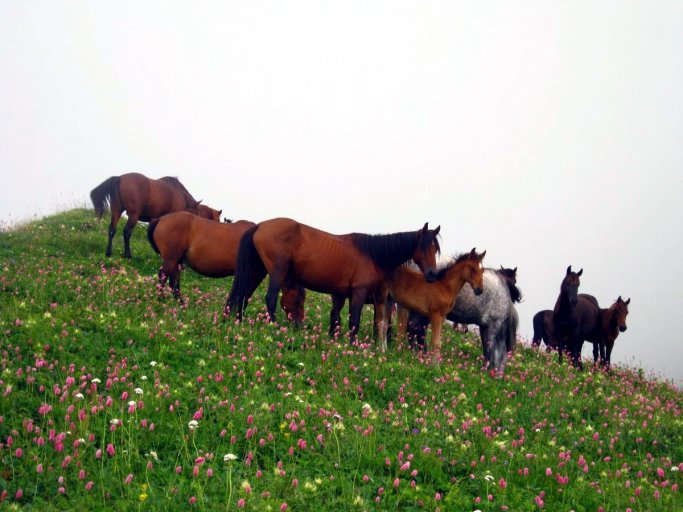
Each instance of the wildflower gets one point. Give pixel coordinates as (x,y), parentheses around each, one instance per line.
(229,457)
(675,469)
(111,451)
(193,424)
(489,478)
(152,363)
(139,391)
(79,396)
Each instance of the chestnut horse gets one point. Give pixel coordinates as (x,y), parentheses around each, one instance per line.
(143,199)
(209,248)
(350,265)
(435,299)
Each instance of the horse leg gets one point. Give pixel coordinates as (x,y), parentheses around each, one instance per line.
(607,356)
(499,348)
(401,323)
(596,351)
(379,324)
(355,308)
(127,232)
(337,306)
(435,346)
(486,344)
(115,216)
(271,297)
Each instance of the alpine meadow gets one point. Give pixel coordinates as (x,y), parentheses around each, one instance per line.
(116,395)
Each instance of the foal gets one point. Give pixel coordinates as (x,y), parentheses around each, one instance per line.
(436,299)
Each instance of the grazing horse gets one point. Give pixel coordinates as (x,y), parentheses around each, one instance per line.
(611,322)
(493,311)
(350,265)
(435,299)
(209,248)
(143,199)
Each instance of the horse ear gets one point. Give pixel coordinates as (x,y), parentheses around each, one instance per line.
(425,228)
(514,270)
(569,269)
(579,272)
(481,256)
(628,301)
(436,231)
(199,202)
(220,212)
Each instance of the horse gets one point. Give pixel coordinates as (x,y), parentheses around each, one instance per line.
(143,199)
(611,322)
(435,299)
(209,248)
(493,312)
(574,316)
(349,265)
(544,329)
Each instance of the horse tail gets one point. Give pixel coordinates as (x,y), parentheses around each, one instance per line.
(512,324)
(150,234)
(249,272)
(103,193)
(538,329)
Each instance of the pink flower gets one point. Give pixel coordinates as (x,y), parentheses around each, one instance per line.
(283,507)
(548,472)
(502,483)
(128,479)
(111,451)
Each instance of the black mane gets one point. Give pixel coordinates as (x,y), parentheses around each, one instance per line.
(515,292)
(175,183)
(389,251)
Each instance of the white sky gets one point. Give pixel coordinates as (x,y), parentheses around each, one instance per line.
(548,133)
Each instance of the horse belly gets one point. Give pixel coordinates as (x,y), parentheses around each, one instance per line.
(213,256)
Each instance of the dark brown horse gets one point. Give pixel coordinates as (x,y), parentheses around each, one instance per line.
(574,317)
(611,322)
(350,265)
(544,329)
(209,248)
(435,299)
(143,199)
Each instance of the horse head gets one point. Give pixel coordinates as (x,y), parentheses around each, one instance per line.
(619,312)
(570,286)
(426,249)
(474,271)
(207,212)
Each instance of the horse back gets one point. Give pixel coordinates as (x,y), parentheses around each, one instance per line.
(206,246)
(319,260)
(148,198)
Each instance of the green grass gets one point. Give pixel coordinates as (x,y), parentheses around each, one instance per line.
(117,398)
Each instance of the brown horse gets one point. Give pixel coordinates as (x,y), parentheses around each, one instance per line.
(611,321)
(350,265)
(436,299)
(209,248)
(143,199)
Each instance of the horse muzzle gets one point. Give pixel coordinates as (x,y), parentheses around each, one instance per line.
(622,328)
(478,291)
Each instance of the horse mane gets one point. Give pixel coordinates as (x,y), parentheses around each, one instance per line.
(388,251)
(515,292)
(458,258)
(175,183)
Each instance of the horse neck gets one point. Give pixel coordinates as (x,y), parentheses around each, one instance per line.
(609,321)
(387,251)
(563,303)
(453,278)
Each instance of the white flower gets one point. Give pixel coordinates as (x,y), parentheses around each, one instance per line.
(675,468)
(132,403)
(139,391)
(488,478)
(143,377)
(154,455)
(115,421)
(228,457)
(193,424)
(78,396)
(96,381)
(152,363)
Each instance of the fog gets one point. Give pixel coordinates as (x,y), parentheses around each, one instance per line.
(547,133)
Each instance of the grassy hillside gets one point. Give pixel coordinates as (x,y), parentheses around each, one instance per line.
(117,398)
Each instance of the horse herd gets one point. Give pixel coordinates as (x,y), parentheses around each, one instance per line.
(381,270)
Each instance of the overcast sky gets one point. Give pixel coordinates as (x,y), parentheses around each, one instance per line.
(549,133)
